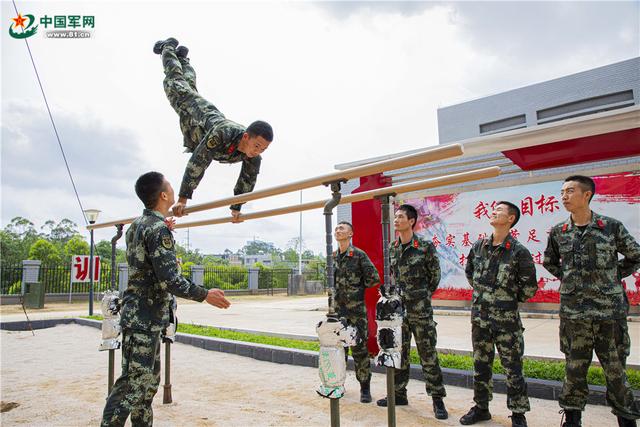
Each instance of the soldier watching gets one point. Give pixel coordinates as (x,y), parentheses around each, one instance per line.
(207,133)
(583,253)
(354,272)
(415,268)
(154,276)
(502,273)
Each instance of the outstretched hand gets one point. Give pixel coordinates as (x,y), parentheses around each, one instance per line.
(216,298)
(235,216)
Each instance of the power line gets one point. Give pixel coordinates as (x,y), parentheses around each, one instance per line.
(53,123)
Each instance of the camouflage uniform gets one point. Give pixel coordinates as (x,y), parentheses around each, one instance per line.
(207,133)
(153,277)
(501,276)
(593,307)
(354,272)
(416,272)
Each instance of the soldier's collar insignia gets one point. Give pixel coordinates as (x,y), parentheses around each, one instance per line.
(396,245)
(232,148)
(351,253)
(565,227)
(600,223)
(167,241)
(415,243)
(507,245)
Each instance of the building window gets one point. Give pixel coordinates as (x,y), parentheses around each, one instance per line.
(503,125)
(583,107)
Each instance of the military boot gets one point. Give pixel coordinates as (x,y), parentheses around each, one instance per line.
(400,401)
(182,51)
(365,392)
(573,418)
(439,410)
(518,420)
(625,422)
(474,415)
(160,44)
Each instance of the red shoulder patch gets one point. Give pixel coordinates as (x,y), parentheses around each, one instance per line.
(565,227)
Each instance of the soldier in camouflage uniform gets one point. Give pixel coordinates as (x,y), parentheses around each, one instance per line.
(354,272)
(415,269)
(583,253)
(502,273)
(207,133)
(146,311)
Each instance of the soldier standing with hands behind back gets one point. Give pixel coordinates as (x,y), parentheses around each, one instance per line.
(354,272)
(583,253)
(415,268)
(502,274)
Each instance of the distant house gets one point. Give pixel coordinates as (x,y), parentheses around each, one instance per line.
(264,259)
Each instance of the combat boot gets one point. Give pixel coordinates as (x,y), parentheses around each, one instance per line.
(400,401)
(160,44)
(518,420)
(439,410)
(365,392)
(573,418)
(182,51)
(625,422)
(474,415)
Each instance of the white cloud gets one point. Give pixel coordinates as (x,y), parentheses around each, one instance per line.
(339,82)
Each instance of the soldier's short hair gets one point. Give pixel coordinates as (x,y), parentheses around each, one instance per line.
(346,223)
(586,183)
(148,188)
(410,212)
(512,209)
(260,128)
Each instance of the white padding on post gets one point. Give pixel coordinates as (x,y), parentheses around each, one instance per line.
(110,321)
(334,335)
(389,313)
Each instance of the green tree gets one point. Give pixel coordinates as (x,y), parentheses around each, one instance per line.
(45,251)
(11,248)
(61,232)
(257,247)
(76,246)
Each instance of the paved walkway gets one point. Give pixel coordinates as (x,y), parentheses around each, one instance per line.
(297,316)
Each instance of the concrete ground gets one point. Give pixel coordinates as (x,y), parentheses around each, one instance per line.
(57,377)
(297,316)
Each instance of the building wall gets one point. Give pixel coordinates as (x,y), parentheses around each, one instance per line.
(463,121)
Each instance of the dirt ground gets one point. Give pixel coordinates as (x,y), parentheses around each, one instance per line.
(58,377)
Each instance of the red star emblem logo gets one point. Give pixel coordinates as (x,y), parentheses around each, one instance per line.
(19,21)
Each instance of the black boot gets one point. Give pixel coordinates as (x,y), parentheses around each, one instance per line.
(365,392)
(160,44)
(439,410)
(182,51)
(474,415)
(572,418)
(625,422)
(518,420)
(400,401)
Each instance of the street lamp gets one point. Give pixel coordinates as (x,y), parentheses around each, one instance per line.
(92,217)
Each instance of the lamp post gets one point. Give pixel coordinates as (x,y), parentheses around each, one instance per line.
(92,217)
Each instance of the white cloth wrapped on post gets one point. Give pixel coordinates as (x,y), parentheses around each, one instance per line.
(110,321)
(389,314)
(334,335)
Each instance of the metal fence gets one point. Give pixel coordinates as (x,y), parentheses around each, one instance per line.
(276,278)
(10,278)
(317,273)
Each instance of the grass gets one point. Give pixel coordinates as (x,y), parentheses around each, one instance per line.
(545,370)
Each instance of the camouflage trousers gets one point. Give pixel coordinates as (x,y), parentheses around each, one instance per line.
(133,392)
(510,345)
(424,332)
(197,115)
(611,342)
(360,352)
